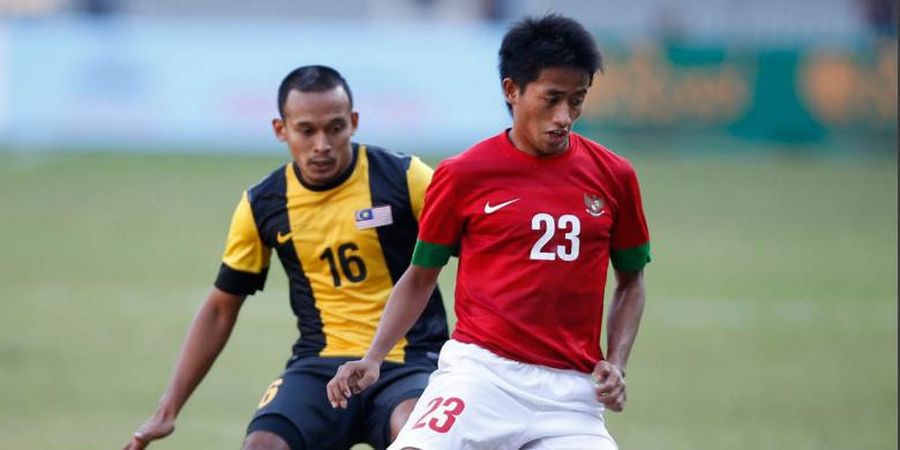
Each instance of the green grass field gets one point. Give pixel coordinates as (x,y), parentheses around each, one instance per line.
(771,320)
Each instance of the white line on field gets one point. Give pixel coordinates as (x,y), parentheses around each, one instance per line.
(774,314)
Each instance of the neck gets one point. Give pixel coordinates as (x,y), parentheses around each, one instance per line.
(522,144)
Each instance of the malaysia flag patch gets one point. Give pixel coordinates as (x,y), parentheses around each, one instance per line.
(378,216)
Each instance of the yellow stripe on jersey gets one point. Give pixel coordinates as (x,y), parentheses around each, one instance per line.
(418,176)
(335,254)
(244,250)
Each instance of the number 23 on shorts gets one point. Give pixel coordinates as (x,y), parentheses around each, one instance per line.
(441,414)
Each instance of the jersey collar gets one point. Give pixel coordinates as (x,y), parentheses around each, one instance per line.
(337,181)
(510,149)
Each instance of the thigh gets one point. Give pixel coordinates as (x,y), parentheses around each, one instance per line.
(396,384)
(459,411)
(563,406)
(272,433)
(299,397)
(575,442)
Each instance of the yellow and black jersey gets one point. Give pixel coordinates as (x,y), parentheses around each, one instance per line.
(343,246)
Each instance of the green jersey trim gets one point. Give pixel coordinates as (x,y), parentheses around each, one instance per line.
(631,259)
(427,254)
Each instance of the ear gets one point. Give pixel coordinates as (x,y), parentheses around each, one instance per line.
(354,122)
(510,91)
(278,128)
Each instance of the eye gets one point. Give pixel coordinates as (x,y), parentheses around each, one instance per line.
(577,101)
(551,99)
(337,127)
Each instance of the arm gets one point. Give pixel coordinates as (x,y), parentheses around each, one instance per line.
(206,337)
(624,317)
(622,327)
(404,306)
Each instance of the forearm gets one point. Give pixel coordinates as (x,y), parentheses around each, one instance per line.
(404,306)
(206,337)
(625,318)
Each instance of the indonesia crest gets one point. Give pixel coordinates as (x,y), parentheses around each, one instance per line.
(594,205)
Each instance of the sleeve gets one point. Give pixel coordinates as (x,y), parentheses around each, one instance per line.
(441,224)
(630,246)
(418,177)
(245,263)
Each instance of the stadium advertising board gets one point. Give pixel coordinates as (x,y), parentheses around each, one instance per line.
(209,85)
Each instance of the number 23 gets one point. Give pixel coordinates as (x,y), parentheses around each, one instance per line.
(452,407)
(567,222)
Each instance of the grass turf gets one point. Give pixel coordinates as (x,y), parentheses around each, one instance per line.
(771,319)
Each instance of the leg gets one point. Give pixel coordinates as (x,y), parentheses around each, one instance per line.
(462,412)
(296,410)
(265,440)
(400,415)
(387,405)
(273,432)
(572,443)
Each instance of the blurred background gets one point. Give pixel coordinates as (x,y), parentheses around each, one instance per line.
(764,134)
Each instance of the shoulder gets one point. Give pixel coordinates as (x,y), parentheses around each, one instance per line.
(474,160)
(273,184)
(616,163)
(396,172)
(381,156)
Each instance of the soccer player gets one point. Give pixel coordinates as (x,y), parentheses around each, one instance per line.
(537,212)
(343,219)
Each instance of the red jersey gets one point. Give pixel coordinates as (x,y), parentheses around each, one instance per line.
(535,236)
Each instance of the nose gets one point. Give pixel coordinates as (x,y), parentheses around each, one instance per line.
(562,116)
(321,143)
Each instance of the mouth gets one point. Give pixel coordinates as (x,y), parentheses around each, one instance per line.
(320,165)
(558,135)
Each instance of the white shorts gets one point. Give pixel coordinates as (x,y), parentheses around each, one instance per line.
(478,400)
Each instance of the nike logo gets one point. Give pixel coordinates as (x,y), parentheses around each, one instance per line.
(488,209)
(282,238)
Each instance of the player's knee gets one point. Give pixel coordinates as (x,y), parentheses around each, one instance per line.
(400,415)
(265,440)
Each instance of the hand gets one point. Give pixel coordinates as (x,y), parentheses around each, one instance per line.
(609,380)
(352,378)
(156,427)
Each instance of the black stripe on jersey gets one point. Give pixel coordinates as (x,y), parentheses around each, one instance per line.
(387,183)
(388,186)
(238,282)
(268,201)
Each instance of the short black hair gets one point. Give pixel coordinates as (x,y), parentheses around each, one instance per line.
(311,79)
(537,43)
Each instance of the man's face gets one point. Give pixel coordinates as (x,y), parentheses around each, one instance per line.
(544,111)
(317,127)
